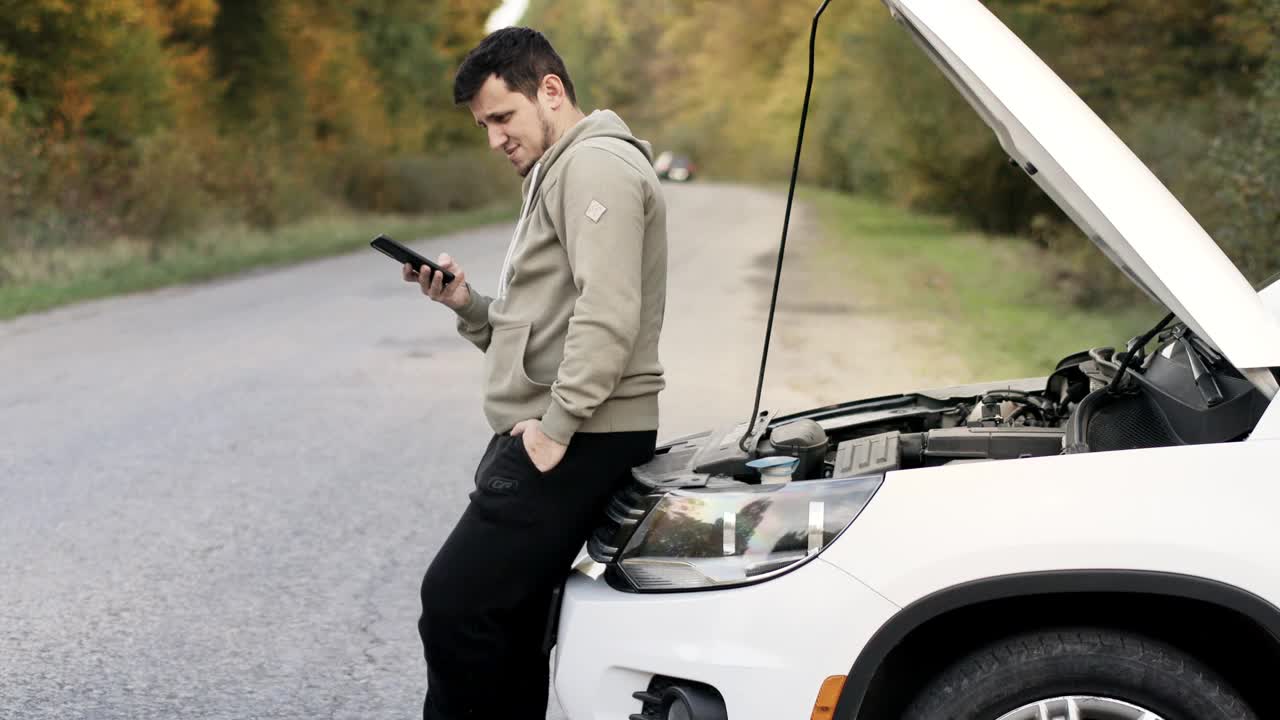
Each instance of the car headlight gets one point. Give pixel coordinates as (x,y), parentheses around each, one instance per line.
(704,538)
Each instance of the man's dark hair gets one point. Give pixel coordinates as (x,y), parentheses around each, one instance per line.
(520,56)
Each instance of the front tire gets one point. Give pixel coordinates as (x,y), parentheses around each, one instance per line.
(1098,674)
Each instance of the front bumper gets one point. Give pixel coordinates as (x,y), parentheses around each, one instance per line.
(766,648)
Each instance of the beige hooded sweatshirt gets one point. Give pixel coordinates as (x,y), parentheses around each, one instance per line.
(572,336)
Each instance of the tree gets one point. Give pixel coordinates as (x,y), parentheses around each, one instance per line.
(53,60)
(252,63)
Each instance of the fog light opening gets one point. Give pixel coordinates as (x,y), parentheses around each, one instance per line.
(669,699)
(686,703)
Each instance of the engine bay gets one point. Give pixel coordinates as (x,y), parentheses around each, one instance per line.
(1182,393)
(867,437)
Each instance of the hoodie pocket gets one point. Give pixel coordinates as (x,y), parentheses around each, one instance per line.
(505,376)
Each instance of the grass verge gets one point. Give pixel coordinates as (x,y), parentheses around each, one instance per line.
(994,299)
(41,279)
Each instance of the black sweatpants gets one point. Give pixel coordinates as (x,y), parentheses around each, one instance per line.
(487,593)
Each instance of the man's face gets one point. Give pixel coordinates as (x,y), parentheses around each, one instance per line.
(518,127)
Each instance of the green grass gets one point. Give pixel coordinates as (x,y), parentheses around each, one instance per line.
(995,299)
(35,280)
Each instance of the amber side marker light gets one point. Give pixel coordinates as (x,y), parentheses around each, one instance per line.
(828,696)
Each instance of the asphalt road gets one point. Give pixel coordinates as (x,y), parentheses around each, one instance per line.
(217,501)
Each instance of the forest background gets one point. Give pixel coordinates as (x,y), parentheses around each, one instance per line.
(132,126)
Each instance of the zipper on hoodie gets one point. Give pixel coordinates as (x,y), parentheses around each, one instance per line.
(504,278)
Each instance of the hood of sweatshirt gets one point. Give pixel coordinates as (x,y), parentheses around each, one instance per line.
(600,123)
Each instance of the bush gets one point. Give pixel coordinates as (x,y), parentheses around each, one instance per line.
(57,193)
(263,183)
(1216,155)
(167,196)
(459,180)
(1243,206)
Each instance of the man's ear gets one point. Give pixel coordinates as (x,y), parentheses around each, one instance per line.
(552,88)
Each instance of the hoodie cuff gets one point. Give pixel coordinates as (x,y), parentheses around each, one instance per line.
(558,424)
(475,314)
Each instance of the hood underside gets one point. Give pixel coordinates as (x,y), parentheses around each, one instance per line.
(1271,298)
(1093,176)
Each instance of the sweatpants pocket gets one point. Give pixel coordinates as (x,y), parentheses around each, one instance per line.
(504,483)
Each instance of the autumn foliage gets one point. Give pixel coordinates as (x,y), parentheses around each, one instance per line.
(1193,86)
(154,117)
(148,118)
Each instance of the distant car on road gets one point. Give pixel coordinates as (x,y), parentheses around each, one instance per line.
(674,167)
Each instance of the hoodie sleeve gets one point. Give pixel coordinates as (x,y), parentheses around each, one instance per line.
(473,319)
(600,219)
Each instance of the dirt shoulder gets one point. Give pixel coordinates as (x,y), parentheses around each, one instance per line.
(836,337)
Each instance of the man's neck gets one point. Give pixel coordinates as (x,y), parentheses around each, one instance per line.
(573,117)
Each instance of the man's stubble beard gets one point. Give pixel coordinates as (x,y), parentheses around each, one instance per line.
(548,139)
(548,132)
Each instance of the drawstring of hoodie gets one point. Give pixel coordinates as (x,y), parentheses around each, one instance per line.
(525,209)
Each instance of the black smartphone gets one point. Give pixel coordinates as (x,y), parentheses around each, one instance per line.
(396,251)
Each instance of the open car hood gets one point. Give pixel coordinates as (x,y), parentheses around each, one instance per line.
(1094,177)
(1271,298)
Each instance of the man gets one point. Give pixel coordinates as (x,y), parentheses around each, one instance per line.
(571,374)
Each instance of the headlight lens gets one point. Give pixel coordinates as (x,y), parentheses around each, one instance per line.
(699,538)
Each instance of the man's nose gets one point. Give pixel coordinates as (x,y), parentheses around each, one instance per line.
(497,138)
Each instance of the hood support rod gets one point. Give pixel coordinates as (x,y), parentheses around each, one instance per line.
(782,248)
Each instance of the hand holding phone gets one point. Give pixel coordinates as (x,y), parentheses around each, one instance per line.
(396,251)
(443,282)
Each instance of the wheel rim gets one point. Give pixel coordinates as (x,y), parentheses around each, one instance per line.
(1080,707)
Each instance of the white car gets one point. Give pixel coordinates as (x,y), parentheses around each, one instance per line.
(1099,544)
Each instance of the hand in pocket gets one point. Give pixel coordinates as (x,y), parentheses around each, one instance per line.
(544,452)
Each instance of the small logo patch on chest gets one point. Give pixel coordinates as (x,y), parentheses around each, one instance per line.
(595,210)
